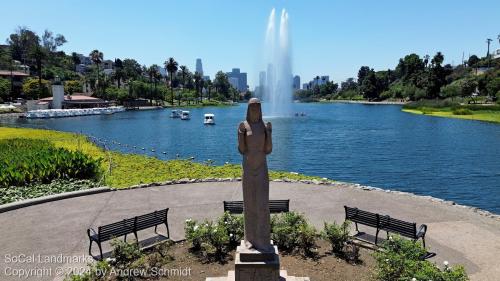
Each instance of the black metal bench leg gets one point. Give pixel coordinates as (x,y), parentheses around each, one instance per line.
(168,231)
(90,248)
(356,226)
(156,227)
(376,236)
(423,241)
(125,238)
(100,249)
(136,238)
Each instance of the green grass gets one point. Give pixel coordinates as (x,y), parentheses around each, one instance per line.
(124,170)
(489,113)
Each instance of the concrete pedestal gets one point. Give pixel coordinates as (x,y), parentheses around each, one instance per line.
(255,265)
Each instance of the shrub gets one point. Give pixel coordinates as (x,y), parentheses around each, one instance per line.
(12,194)
(25,161)
(400,259)
(337,235)
(32,90)
(462,111)
(234,226)
(208,238)
(72,86)
(124,253)
(291,231)
(4,89)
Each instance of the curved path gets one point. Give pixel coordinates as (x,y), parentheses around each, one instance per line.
(58,229)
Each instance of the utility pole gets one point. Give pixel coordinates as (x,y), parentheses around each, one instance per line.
(488,41)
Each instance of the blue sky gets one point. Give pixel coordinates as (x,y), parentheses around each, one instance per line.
(328,37)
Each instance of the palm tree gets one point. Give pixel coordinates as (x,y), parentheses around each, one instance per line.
(209,87)
(198,81)
(152,73)
(97,58)
(171,67)
(39,54)
(184,72)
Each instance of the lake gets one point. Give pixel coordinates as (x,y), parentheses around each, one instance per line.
(376,145)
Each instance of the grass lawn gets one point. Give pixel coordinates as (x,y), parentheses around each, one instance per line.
(123,170)
(480,115)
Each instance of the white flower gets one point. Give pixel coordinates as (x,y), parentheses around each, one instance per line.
(387,260)
(188,220)
(215,230)
(414,279)
(231,235)
(445,263)
(390,238)
(195,227)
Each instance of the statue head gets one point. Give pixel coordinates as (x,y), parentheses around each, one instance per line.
(254,111)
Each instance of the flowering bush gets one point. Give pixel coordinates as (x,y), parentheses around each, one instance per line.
(210,239)
(401,259)
(291,232)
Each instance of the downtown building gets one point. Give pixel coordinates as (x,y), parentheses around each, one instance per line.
(238,79)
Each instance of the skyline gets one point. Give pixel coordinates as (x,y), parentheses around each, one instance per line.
(326,38)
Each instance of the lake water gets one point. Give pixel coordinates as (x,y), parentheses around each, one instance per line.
(376,145)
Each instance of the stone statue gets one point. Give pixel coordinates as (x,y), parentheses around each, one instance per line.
(254,143)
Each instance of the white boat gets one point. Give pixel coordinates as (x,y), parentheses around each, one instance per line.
(185,115)
(209,119)
(175,114)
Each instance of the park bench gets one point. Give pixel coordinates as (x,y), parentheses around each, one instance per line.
(385,223)
(127,226)
(275,206)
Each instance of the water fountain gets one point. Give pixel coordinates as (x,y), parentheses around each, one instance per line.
(278,86)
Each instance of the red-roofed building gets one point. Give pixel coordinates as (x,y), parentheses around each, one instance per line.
(78,101)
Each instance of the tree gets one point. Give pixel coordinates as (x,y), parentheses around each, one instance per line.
(131,69)
(4,89)
(410,68)
(76,59)
(31,88)
(171,67)
(368,87)
(97,58)
(221,84)
(39,54)
(198,82)
(473,60)
(72,86)
(209,88)
(184,73)
(153,74)
(22,42)
(362,73)
(50,42)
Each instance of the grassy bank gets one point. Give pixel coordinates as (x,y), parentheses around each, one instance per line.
(123,170)
(449,109)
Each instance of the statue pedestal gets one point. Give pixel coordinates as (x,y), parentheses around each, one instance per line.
(255,265)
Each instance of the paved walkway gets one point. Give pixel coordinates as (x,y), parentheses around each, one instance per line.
(58,228)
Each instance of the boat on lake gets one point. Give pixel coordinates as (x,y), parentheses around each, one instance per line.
(175,114)
(209,119)
(185,115)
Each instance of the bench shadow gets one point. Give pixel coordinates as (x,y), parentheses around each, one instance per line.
(144,245)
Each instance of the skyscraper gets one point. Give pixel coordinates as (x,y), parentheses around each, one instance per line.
(199,67)
(296,82)
(238,77)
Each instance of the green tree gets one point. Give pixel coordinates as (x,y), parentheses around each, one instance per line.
(198,82)
(51,43)
(473,60)
(362,73)
(368,87)
(22,42)
(171,67)
(4,89)
(39,54)
(31,88)
(76,60)
(221,84)
(184,72)
(72,86)
(96,56)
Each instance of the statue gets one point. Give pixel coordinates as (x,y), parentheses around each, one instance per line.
(254,143)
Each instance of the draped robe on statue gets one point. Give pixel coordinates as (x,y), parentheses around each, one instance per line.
(254,143)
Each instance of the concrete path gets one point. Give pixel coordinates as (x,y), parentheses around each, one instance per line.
(57,229)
